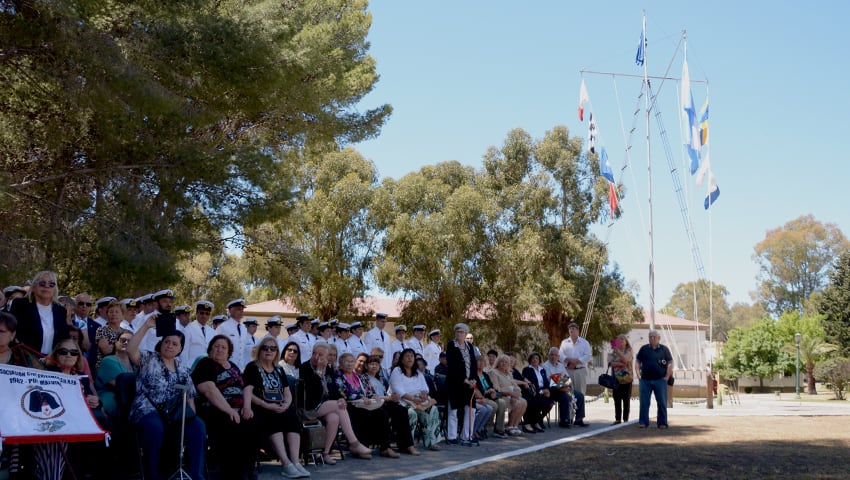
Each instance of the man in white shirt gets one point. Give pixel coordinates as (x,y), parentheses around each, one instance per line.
(433,349)
(233,329)
(303,337)
(92,324)
(148,309)
(378,338)
(416,343)
(251,342)
(400,342)
(216,322)
(203,311)
(194,345)
(325,333)
(575,354)
(356,340)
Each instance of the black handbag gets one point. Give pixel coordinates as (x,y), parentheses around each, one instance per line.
(608,381)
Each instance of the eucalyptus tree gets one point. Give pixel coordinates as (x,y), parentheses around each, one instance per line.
(125,125)
(322,251)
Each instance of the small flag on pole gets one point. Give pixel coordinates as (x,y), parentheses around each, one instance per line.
(703,124)
(704,168)
(713,190)
(605,166)
(612,199)
(583,98)
(591,134)
(689,114)
(640,57)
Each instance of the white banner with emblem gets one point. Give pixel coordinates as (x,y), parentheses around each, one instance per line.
(40,406)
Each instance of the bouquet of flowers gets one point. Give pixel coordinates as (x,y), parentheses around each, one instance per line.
(559,381)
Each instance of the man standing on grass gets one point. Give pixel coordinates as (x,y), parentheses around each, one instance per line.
(654,366)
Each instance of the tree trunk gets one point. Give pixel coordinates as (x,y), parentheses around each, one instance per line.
(810,369)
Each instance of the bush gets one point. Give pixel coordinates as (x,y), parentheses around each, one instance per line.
(748,389)
(835,373)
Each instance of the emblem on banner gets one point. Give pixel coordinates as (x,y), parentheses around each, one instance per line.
(42,404)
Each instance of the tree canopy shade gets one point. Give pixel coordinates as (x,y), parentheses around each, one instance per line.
(835,305)
(794,261)
(132,131)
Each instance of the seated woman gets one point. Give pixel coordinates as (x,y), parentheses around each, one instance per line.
(525,390)
(333,354)
(360,365)
(370,422)
(269,398)
(219,382)
(396,411)
(504,383)
(67,358)
(485,394)
(110,367)
(322,397)
(409,384)
(290,360)
(540,400)
(160,375)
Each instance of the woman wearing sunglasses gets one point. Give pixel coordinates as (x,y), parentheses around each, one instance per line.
(41,320)
(268,397)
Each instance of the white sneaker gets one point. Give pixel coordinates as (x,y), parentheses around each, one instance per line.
(290,471)
(303,471)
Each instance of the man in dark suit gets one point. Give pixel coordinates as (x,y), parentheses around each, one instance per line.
(41,321)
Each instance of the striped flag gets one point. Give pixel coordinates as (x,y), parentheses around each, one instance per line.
(713,190)
(583,98)
(690,115)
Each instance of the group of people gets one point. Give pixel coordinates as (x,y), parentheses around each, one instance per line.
(253,393)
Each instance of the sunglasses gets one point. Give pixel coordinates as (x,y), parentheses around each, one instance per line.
(293,350)
(123,340)
(269,348)
(84,304)
(65,351)
(45,283)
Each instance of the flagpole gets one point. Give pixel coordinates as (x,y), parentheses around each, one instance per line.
(649,177)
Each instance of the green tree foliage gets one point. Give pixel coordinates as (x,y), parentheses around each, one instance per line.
(437,221)
(711,304)
(322,252)
(794,261)
(756,351)
(744,314)
(539,256)
(126,128)
(835,372)
(834,304)
(218,278)
(813,347)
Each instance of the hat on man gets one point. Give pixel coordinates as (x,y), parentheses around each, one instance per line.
(381,315)
(433,332)
(343,326)
(130,303)
(400,328)
(163,293)
(334,322)
(145,299)
(204,305)
(573,325)
(217,319)
(183,309)
(301,318)
(324,326)
(314,321)
(291,328)
(274,321)
(250,321)
(356,325)
(419,327)
(104,301)
(239,302)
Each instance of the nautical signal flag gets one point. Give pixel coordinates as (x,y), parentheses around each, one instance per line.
(605,166)
(583,98)
(713,190)
(703,124)
(591,134)
(704,168)
(612,199)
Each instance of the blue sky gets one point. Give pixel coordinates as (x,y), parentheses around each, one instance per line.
(461,75)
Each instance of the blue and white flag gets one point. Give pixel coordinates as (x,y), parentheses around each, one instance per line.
(690,116)
(605,165)
(713,190)
(640,57)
